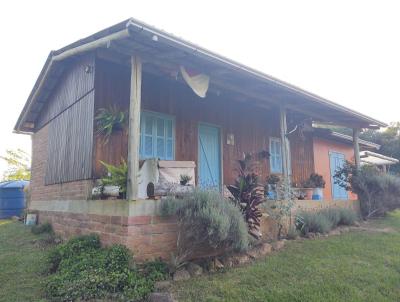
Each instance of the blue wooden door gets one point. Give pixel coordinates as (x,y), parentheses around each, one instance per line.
(336,161)
(209,161)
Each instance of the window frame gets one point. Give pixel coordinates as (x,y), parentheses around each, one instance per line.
(271,166)
(155,115)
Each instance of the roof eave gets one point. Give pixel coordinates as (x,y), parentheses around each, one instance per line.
(138,26)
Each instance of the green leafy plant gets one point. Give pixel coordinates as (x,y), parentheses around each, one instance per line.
(109,120)
(292,233)
(273,179)
(18,165)
(280,208)
(184,179)
(247,192)
(378,193)
(155,270)
(206,220)
(42,228)
(116,176)
(81,270)
(314,181)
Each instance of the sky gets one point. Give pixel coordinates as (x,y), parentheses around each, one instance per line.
(345,51)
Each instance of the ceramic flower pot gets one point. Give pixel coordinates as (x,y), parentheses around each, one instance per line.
(308,193)
(317,194)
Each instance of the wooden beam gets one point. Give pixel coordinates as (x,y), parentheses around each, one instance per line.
(285,149)
(92,45)
(134,128)
(260,96)
(356,145)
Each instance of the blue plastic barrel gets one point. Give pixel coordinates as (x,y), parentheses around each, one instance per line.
(12,198)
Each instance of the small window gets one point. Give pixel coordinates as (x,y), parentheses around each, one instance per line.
(156,136)
(275,150)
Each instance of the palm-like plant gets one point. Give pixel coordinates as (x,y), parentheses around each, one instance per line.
(108,120)
(116,176)
(248,193)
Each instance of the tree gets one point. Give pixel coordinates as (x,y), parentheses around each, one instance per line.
(389,139)
(18,162)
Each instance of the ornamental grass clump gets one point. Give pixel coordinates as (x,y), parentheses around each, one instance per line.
(206,220)
(347,216)
(81,269)
(313,222)
(324,220)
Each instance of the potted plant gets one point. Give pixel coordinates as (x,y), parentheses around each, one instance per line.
(114,184)
(184,179)
(108,121)
(270,188)
(314,187)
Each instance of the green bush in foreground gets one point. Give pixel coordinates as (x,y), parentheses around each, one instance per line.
(82,270)
(42,228)
(207,220)
(325,220)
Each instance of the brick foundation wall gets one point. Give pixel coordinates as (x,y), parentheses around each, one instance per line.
(149,237)
(76,190)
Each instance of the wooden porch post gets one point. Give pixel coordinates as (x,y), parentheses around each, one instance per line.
(285,147)
(356,145)
(134,128)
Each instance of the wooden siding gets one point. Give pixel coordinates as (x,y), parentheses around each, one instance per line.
(74,84)
(302,157)
(251,126)
(69,115)
(70,143)
(112,84)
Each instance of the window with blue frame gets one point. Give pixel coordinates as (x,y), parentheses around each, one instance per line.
(275,159)
(157,139)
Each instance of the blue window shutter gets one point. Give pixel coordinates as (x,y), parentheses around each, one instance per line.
(275,151)
(157,136)
(169,152)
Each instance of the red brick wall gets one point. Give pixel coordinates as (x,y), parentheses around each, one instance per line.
(76,190)
(148,237)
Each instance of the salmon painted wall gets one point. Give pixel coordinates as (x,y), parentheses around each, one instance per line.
(322,147)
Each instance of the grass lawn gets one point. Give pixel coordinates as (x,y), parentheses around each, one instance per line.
(21,262)
(358,266)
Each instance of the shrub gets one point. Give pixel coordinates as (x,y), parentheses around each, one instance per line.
(347,216)
(82,270)
(42,228)
(315,222)
(333,215)
(324,220)
(378,193)
(206,219)
(292,233)
(155,270)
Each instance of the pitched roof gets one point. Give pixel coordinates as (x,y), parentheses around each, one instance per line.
(133,36)
(344,138)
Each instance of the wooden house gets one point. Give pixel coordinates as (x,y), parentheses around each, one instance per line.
(139,69)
